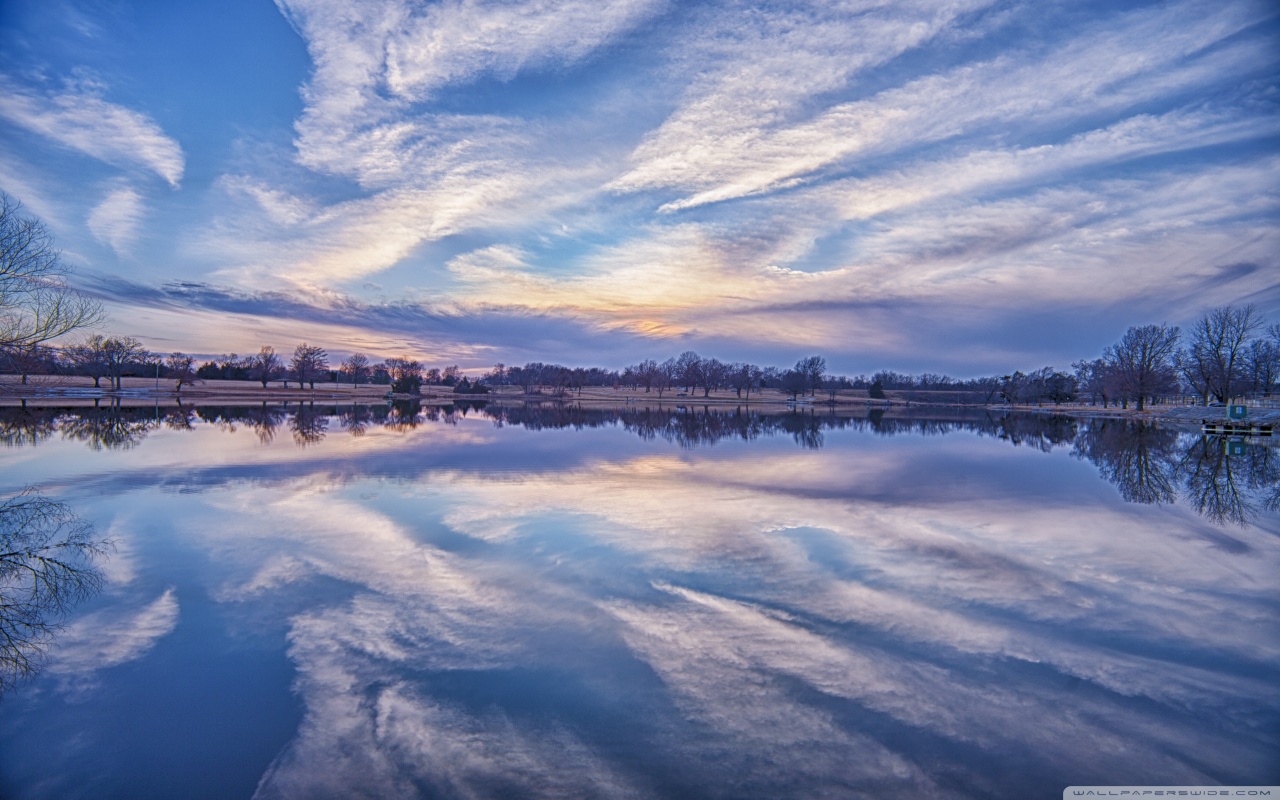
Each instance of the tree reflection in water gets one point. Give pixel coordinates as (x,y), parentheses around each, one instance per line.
(1224,486)
(264,419)
(108,427)
(27,427)
(1147,463)
(1141,459)
(309,425)
(48,564)
(355,420)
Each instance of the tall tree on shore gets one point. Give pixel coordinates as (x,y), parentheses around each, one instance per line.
(265,366)
(714,374)
(118,353)
(89,359)
(811,370)
(181,370)
(357,368)
(1264,361)
(1143,361)
(1215,362)
(688,367)
(744,376)
(309,362)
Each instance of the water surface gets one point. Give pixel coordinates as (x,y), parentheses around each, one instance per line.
(558,602)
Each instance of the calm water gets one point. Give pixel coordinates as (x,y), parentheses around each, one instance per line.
(392,602)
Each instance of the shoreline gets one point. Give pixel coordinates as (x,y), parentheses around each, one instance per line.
(44,391)
(77,392)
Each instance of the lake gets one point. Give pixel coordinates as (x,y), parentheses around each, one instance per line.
(475,602)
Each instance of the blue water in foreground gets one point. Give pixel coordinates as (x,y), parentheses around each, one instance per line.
(564,604)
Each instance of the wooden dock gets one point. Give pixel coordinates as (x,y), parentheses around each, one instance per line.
(1227,427)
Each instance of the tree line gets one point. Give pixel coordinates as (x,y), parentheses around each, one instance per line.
(1227,354)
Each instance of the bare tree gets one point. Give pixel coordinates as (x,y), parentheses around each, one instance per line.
(812,369)
(743,377)
(1264,362)
(118,352)
(265,366)
(715,373)
(88,358)
(688,370)
(1144,361)
(309,362)
(36,304)
(496,376)
(664,376)
(1215,362)
(794,383)
(644,373)
(182,370)
(357,368)
(834,384)
(528,377)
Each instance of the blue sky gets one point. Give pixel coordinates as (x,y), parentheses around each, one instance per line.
(964,186)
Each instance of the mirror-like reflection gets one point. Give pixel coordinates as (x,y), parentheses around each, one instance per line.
(480,600)
(1148,463)
(48,565)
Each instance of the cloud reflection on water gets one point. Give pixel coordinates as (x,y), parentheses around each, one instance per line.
(949,617)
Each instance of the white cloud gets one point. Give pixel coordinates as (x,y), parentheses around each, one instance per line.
(873,159)
(456,41)
(81,119)
(112,637)
(281,208)
(362,53)
(722,150)
(115,220)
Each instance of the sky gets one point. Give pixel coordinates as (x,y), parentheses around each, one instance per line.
(958,186)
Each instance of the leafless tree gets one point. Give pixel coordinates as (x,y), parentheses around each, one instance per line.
(265,366)
(743,377)
(357,368)
(181,370)
(89,358)
(812,369)
(1215,361)
(715,373)
(688,370)
(118,352)
(1144,361)
(834,384)
(665,376)
(1264,361)
(36,304)
(309,362)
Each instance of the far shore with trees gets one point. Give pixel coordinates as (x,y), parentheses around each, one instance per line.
(1230,353)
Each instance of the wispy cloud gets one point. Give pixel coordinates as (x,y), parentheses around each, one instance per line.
(78,117)
(112,637)
(1096,73)
(642,171)
(115,220)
